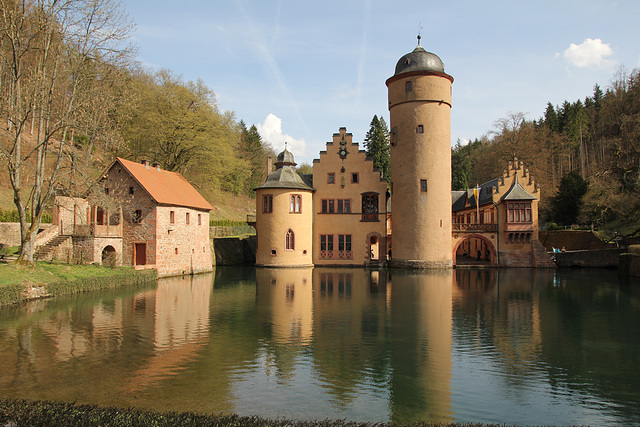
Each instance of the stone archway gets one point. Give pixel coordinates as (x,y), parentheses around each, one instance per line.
(474,249)
(109,256)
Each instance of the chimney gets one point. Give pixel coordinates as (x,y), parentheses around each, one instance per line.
(146,163)
(269,164)
(157,166)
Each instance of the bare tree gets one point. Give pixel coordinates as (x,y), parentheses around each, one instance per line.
(50,51)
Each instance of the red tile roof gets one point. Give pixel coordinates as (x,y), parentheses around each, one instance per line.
(165,187)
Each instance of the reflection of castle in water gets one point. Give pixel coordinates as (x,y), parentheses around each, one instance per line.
(365,328)
(353,337)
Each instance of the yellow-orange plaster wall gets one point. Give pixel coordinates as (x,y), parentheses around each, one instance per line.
(272,228)
(343,188)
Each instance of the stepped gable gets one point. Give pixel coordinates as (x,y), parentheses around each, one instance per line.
(165,187)
(517,192)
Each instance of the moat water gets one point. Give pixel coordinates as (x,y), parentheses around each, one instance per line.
(470,345)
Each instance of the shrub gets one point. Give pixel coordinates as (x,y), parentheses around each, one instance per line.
(226,223)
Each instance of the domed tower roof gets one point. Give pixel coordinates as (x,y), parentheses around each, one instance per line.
(419,60)
(285,175)
(285,158)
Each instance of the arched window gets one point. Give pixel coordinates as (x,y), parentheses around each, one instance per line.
(295,205)
(290,240)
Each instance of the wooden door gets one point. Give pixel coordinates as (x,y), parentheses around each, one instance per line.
(140,253)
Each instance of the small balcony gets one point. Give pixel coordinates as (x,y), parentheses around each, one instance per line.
(474,228)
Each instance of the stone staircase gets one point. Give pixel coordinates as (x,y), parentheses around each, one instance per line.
(48,250)
(541,259)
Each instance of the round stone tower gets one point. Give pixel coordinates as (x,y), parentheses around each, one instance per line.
(284,217)
(420,121)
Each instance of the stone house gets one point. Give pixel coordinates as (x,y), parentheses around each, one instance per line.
(141,216)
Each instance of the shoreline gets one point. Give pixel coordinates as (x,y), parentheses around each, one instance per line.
(20,283)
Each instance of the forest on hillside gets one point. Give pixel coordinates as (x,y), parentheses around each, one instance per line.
(72,98)
(584,154)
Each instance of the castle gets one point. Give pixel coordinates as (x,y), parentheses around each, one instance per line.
(343,215)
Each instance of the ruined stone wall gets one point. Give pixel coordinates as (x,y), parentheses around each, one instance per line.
(10,233)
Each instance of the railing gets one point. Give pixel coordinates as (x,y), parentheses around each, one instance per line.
(326,254)
(336,254)
(369,217)
(473,228)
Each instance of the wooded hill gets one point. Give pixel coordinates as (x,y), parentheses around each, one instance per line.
(585,155)
(72,99)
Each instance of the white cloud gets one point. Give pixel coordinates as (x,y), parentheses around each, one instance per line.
(591,53)
(271,132)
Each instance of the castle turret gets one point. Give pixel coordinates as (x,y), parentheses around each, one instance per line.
(284,217)
(420,121)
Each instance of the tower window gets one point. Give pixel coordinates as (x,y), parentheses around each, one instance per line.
(420,129)
(354,178)
(407,86)
(172,217)
(423,185)
(295,203)
(186,218)
(267,203)
(290,240)
(130,190)
(331,178)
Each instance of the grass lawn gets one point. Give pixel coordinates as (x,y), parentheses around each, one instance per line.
(45,273)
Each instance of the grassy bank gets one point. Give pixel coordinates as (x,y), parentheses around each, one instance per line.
(26,413)
(19,283)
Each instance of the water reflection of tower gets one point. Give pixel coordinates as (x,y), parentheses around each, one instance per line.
(284,301)
(350,316)
(421,309)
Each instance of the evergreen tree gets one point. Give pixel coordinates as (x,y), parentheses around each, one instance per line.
(566,204)
(462,165)
(252,150)
(377,147)
(551,118)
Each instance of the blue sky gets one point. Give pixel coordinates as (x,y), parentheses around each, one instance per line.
(300,70)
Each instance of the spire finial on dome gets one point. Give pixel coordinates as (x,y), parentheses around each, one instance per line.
(419,31)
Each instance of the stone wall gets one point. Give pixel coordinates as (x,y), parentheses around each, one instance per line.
(515,259)
(572,240)
(602,258)
(182,241)
(10,233)
(235,251)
